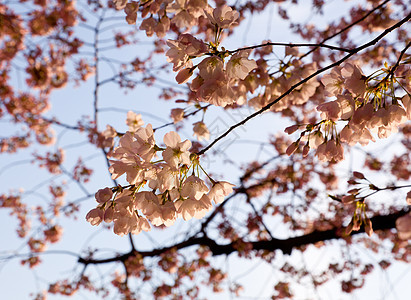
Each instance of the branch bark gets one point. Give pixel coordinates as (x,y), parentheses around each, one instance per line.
(381,222)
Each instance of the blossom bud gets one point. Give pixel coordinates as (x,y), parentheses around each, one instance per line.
(348,199)
(353,191)
(368,226)
(358,175)
(349,228)
(104,195)
(184,75)
(95,216)
(291,129)
(357,223)
(306,149)
(292,148)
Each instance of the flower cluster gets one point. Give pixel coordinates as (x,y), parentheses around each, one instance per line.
(291,71)
(361,189)
(217,81)
(368,105)
(175,187)
(360,218)
(162,13)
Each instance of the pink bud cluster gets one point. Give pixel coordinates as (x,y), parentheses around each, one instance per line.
(175,187)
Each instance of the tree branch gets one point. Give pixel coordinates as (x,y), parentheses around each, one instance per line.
(381,222)
(292,45)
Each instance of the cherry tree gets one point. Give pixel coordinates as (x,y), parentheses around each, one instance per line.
(314,188)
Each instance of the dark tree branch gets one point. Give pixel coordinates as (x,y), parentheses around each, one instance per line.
(293,45)
(381,222)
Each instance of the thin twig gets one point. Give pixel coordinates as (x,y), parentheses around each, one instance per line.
(348,27)
(292,45)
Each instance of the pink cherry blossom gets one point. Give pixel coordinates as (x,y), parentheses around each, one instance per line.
(222,16)
(142,224)
(194,187)
(292,148)
(125,147)
(182,49)
(354,79)
(166,214)
(176,152)
(148,25)
(177,114)
(186,12)
(314,139)
(189,208)
(239,66)
(291,129)
(201,131)
(330,150)
(104,195)
(144,143)
(406,101)
(162,26)
(109,214)
(132,166)
(131,9)
(403,225)
(184,75)
(147,202)
(109,134)
(330,110)
(95,216)
(216,91)
(333,82)
(165,180)
(220,190)
(120,4)
(211,68)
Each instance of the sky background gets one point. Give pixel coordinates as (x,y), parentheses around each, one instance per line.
(72,102)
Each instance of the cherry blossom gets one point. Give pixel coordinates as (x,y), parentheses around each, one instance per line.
(95,216)
(134,121)
(220,190)
(194,187)
(403,225)
(354,79)
(201,131)
(182,49)
(104,195)
(186,12)
(176,152)
(333,82)
(130,9)
(239,66)
(177,114)
(222,16)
